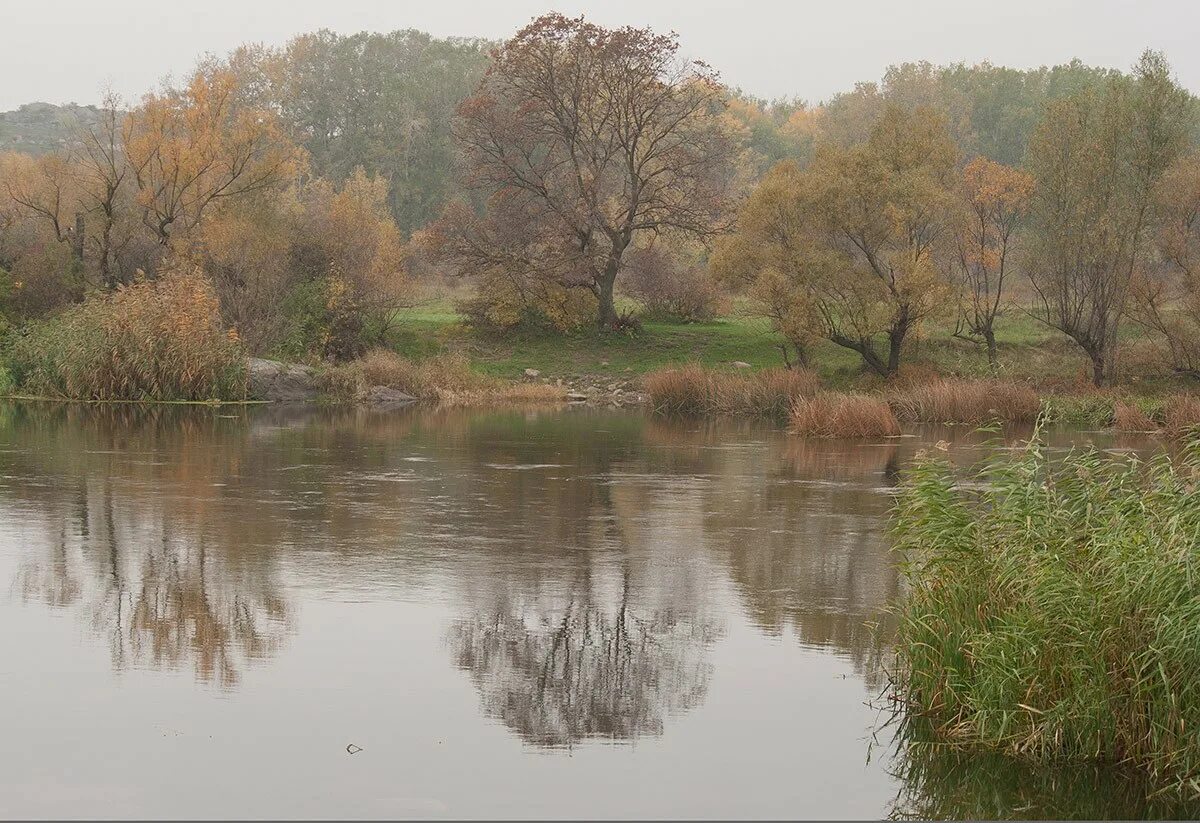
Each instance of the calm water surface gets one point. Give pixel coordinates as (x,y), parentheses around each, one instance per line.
(548,613)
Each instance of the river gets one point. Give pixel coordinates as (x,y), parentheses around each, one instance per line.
(216,612)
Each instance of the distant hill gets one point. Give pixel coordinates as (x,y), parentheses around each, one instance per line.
(39,128)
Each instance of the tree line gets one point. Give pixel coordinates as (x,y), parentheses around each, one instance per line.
(313,184)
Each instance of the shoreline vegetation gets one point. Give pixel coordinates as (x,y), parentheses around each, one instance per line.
(1053,611)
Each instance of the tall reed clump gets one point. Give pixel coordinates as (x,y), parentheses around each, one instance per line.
(158,339)
(1181,415)
(1054,607)
(1132,416)
(829,414)
(972,402)
(695,390)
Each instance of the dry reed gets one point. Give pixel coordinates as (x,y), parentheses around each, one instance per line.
(968,402)
(694,389)
(829,414)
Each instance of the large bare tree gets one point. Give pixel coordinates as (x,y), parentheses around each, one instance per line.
(579,139)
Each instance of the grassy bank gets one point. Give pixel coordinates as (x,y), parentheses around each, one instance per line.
(1054,609)
(1028,351)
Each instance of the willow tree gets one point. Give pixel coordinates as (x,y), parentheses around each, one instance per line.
(581,139)
(846,249)
(994,200)
(1098,158)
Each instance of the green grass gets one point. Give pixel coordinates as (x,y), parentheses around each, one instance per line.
(1053,609)
(1027,349)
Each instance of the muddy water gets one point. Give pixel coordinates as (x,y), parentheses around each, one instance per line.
(214,613)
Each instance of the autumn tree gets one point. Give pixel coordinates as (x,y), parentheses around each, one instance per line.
(994,200)
(581,139)
(845,249)
(1098,159)
(189,148)
(769,258)
(1166,298)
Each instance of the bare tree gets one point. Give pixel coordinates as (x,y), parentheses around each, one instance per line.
(588,137)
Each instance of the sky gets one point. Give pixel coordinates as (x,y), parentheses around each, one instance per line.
(71,50)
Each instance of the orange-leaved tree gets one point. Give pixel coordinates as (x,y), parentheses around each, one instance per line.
(191,147)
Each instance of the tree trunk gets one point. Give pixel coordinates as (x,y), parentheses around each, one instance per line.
(607,314)
(607,318)
(989,337)
(896,336)
(895,341)
(77,238)
(1099,374)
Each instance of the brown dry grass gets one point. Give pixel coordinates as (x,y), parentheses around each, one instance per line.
(446,380)
(829,414)
(972,402)
(1181,414)
(1130,417)
(694,389)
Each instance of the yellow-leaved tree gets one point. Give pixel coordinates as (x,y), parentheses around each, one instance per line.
(846,249)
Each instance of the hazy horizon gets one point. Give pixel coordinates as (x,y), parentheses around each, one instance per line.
(769,49)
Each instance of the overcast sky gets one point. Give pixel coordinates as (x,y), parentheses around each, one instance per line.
(68,50)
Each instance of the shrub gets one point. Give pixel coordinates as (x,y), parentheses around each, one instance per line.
(502,303)
(966,401)
(693,389)
(1084,408)
(670,287)
(1053,608)
(830,414)
(683,390)
(154,340)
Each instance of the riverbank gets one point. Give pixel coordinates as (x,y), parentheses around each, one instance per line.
(432,356)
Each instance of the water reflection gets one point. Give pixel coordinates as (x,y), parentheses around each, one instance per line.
(941,784)
(585,575)
(150,572)
(589,659)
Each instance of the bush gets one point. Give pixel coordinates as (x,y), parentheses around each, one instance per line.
(1085,408)
(154,340)
(829,414)
(969,402)
(694,389)
(1053,609)
(669,287)
(503,304)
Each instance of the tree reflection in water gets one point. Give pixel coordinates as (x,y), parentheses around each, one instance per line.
(146,568)
(585,663)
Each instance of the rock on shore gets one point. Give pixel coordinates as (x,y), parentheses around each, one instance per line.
(292,383)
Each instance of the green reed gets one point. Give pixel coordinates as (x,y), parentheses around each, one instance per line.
(1054,607)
